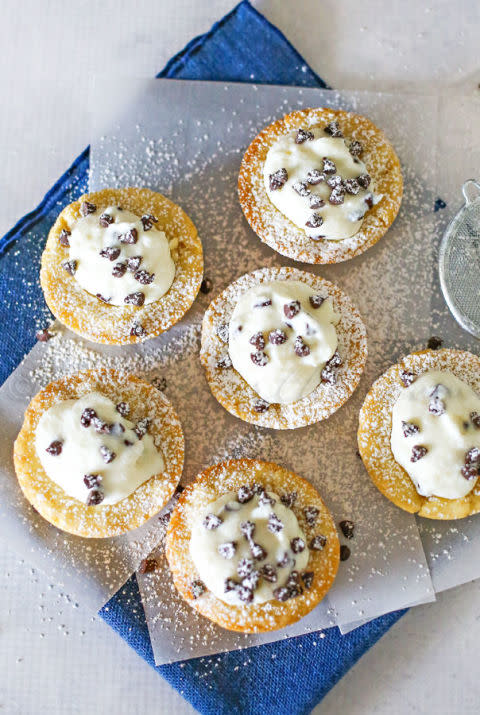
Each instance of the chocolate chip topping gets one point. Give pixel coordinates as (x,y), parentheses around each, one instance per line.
(265,499)
(351,186)
(159,383)
(311,515)
(129,237)
(225,362)
(105,220)
(133,263)
(348,527)
(334,130)
(261,405)
(147,566)
(197,588)
(355,148)
(315,176)
(364,180)
(475,418)
(95,497)
(300,347)
(251,581)
(278,179)
(289,499)
(436,406)
(55,448)
(206,286)
(337,196)
(119,269)
(282,593)
(244,494)
(263,304)
(138,331)
(245,594)
(418,452)
(315,221)
(316,301)
(277,337)
(102,298)
(315,202)
(123,409)
(92,480)
(258,552)
(301,188)
(147,221)
(407,378)
(409,429)
(318,543)
(227,550)
(107,454)
(329,167)
(328,373)
(70,267)
(259,358)
(144,277)
(307,578)
(63,237)
(258,340)
(247,528)
(274,525)
(141,428)
(297,545)
(87,208)
(223,332)
(434,342)
(471,468)
(111,252)
(44,335)
(291,309)
(87,416)
(285,561)
(137,298)
(344,552)
(100,426)
(212,521)
(303,135)
(244,567)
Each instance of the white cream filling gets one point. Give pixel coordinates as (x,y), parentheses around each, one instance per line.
(338,221)
(82,447)
(214,569)
(283,376)
(95,273)
(447,432)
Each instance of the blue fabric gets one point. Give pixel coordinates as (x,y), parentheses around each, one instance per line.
(287,677)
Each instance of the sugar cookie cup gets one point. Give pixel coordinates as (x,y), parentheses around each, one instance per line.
(101,521)
(287,238)
(91,317)
(375,427)
(313,518)
(239,398)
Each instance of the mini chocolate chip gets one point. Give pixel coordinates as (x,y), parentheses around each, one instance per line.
(230,585)
(472,457)
(197,588)
(105,220)
(251,581)
(43,336)
(289,499)
(137,331)
(259,358)
(303,136)
(223,332)
(418,452)
(335,182)
(147,566)
(475,418)
(95,496)
(277,337)
(269,573)
(100,426)
(129,237)
(300,347)
(164,519)
(275,525)
(278,179)
(147,221)
(364,180)
(333,129)
(265,499)
(329,166)
(107,454)
(318,542)
(311,515)
(87,416)
(137,298)
(63,237)
(244,494)
(225,362)
(315,177)
(118,429)
(244,567)
(263,304)
(258,340)
(247,528)
(439,204)
(282,593)
(212,521)
(260,405)
(434,342)
(144,277)
(70,267)
(291,309)
(87,208)
(407,378)
(307,578)
(92,480)
(206,285)
(315,202)
(258,552)
(245,594)
(102,298)
(409,429)
(355,148)
(351,186)
(297,545)
(344,552)
(316,301)
(301,188)
(227,550)
(369,201)
(111,252)
(337,196)
(127,443)
(159,383)
(315,221)
(141,428)
(55,448)
(348,528)
(123,408)
(436,406)
(119,269)
(285,561)
(328,373)
(469,472)
(133,263)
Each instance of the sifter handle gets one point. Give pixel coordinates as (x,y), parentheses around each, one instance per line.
(471,191)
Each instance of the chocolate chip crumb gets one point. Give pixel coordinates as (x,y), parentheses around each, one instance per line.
(285,561)
(274,525)
(102,298)
(129,237)
(244,567)
(307,578)
(355,148)
(197,588)
(87,416)
(63,237)
(147,221)
(364,180)
(261,405)
(70,267)
(147,566)
(409,429)
(315,176)
(223,332)
(300,347)
(282,593)
(258,552)
(329,167)
(212,521)
(87,208)
(95,497)
(316,301)
(315,202)
(315,221)
(289,499)
(247,528)
(301,188)
(141,428)
(225,362)
(92,480)
(258,340)
(245,594)
(297,545)
(348,528)
(291,309)
(418,452)
(337,196)
(227,550)
(107,454)
(434,342)
(263,304)
(311,515)
(318,543)
(244,494)
(251,581)
(119,269)
(123,409)
(334,130)
(137,299)
(265,499)
(138,331)
(55,448)
(344,552)
(206,286)
(303,136)
(407,378)
(475,418)
(278,179)
(268,573)
(259,358)
(105,220)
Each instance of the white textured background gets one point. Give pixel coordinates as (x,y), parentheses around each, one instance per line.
(53,657)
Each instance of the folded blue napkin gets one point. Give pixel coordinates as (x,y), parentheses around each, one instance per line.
(284,678)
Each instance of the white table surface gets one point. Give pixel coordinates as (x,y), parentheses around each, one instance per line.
(53,656)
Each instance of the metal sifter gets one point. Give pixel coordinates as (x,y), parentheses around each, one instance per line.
(459,261)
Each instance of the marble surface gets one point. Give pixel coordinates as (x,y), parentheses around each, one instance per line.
(51,650)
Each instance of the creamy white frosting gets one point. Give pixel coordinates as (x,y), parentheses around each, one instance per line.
(279,374)
(95,273)
(440,405)
(83,450)
(214,569)
(338,221)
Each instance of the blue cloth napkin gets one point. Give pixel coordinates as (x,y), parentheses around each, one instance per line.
(284,678)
